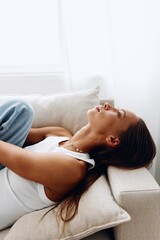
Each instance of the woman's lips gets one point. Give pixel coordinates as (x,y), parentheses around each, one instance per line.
(98,108)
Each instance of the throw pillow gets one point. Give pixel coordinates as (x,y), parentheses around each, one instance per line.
(62,109)
(97,210)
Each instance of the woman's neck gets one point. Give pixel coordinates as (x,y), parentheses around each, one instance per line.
(84,140)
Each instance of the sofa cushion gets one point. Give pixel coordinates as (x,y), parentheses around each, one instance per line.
(97,210)
(3,233)
(67,109)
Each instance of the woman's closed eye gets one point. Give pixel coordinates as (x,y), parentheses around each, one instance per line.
(118,113)
(121,113)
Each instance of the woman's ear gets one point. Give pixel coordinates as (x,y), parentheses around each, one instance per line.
(112,141)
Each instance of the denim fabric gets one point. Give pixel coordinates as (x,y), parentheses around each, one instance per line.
(16,117)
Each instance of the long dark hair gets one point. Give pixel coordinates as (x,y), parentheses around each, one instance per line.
(136,149)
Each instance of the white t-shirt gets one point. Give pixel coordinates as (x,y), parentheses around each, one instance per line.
(18,195)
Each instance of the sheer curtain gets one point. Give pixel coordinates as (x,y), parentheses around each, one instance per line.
(115,44)
(87,43)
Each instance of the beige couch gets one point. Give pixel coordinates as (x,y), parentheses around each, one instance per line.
(138,193)
(126,206)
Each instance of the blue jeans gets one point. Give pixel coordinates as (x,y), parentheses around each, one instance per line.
(16,117)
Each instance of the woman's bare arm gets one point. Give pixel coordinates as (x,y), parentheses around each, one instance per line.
(38,134)
(54,170)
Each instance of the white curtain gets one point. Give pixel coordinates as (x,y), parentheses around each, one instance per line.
(87,43)
(115,44)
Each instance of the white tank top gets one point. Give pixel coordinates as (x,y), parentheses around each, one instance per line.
(18,195)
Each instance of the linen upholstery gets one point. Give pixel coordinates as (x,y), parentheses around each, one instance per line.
(4,233)
(138,193)
(67,109)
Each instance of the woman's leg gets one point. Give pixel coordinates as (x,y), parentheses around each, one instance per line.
(16,117)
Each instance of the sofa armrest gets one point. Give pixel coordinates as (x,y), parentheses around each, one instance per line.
(139,194)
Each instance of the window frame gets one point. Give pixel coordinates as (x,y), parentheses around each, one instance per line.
(56,70)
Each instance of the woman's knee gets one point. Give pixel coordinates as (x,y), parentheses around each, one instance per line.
(25,109)
(16,118)
(16,108)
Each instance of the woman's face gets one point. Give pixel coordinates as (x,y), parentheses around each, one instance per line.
(110,120)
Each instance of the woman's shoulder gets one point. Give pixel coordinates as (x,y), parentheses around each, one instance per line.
(68,175)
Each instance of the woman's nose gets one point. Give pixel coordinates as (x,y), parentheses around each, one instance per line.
(107,106)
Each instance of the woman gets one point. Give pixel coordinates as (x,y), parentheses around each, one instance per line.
(55,167)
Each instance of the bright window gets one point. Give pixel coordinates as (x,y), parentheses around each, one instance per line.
(30,36)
